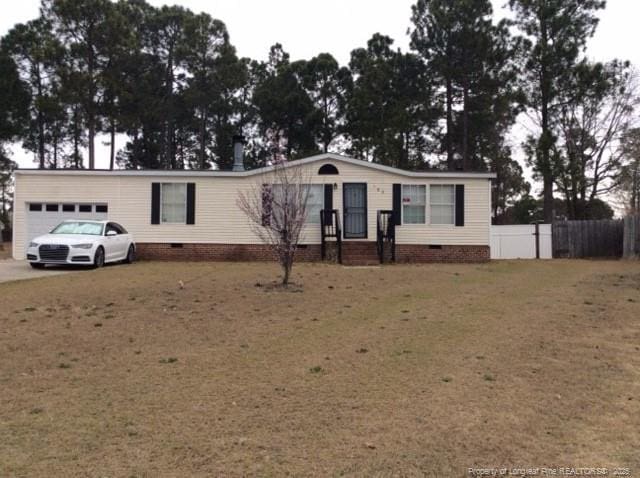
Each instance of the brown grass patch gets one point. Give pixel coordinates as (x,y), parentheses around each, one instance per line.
(5,250)
(400,370)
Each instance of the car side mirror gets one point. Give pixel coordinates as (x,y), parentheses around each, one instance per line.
(111,233)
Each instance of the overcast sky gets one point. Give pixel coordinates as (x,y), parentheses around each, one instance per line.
(307,27)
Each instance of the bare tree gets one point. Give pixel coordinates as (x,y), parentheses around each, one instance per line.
(629,180)
(591,124)
(277,211)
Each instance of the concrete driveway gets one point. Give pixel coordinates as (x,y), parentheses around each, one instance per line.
(11,270)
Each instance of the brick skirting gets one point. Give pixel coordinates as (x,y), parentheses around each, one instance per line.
(405,253)
(218,252)
(457,254)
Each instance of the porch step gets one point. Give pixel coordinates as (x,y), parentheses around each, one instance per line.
(360,253)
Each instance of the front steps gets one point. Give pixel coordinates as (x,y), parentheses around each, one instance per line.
(360,253)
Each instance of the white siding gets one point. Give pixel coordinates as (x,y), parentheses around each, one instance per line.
(218,218)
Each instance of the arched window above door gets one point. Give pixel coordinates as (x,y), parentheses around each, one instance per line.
(326,169)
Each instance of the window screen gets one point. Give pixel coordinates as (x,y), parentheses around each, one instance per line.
(414,197)
(173,204)
(442,204)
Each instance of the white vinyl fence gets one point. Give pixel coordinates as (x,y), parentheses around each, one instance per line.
(519,242)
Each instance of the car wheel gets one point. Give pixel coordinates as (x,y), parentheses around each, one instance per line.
(35,265)
(98,260)
(131,255)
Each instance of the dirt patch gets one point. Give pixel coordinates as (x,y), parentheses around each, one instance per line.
(162,369)
(5,250)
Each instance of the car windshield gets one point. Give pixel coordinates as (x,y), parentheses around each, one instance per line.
(90,228)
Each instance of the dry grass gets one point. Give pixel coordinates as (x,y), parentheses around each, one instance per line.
(402,370)
(5,250)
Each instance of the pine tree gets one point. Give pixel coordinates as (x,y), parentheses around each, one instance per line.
(556,32)
(82,26)
(327,84)
(285,112)
(390,113)
(37,55)
(473,61)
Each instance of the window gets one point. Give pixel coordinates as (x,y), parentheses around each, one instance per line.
(112,226)
(84,208)
(121,230)
(327,169)
(173,203)
(52,208)
(443,204)
(315,201)
(79,227)
(102,208)
(69,208)
(414,197)
(35,207)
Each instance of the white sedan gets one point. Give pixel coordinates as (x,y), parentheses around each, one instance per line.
(81,242)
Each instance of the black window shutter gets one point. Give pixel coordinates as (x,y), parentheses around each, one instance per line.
(328,202)
(459,204)
(397,204)
(266,204)
(191,203)
(155,203)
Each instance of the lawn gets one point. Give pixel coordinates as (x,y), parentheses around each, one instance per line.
(393,371)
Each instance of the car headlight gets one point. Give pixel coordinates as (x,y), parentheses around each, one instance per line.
(83,246)
(33,244)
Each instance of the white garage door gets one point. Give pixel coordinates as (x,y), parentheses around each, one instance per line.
(42,217)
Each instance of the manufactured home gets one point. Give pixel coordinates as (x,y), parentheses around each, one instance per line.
(355,207)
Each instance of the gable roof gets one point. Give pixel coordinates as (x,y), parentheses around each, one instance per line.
(263,170)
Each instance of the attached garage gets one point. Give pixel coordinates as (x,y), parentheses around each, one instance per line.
(44,216)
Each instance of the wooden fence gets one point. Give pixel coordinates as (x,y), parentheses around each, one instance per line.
(631,242)
(574,239)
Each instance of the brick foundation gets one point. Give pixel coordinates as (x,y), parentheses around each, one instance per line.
(353,253)
(218,252)
(455,254)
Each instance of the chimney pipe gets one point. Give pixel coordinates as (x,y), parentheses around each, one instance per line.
(238,153)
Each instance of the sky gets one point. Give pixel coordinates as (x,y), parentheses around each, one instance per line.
(308,27)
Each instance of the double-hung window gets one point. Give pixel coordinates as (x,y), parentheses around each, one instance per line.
(315,203)
(443,204)
(314,194)
(173,204)
(414,197)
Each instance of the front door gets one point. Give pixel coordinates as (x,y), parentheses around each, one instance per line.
(355,210)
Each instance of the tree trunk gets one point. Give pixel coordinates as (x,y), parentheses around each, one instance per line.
(92,147)
(449,138)
(55,153)
(286,268)
(91,120)
(40,125)
(112,151)
(546,136)
(203,140)
(3,206)
(635,192)
(465,127)
(76,140)
(170,159)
